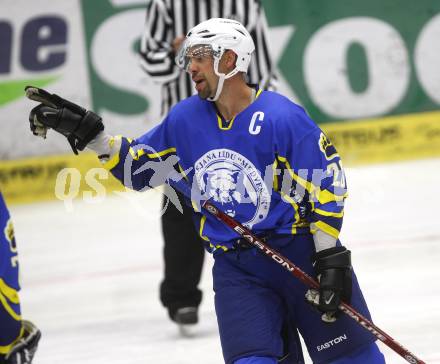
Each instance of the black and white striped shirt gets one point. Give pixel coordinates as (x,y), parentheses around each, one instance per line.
(169,19)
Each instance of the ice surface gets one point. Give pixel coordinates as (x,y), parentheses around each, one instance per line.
(90,272)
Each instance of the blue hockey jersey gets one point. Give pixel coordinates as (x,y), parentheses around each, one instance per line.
(270,167)
(10,315)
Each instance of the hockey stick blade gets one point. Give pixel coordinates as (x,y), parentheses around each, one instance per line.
(245,233)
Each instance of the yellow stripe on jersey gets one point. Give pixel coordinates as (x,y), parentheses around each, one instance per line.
(330,230)
(4,302)
(220,123)
(275,175)
(224,248)
(162,153)
(113,161)
(295,208)
(286,197)
(194,205)
(212,246)
(328,213)
(7,295)
(202,225)
(323,196)
(182,172)
(136,155)
(7,348)
(10,293)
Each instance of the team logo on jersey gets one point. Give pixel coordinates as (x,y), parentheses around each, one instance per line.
(327,147)
(232,181)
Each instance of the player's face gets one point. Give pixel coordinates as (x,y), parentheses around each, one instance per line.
(201,68)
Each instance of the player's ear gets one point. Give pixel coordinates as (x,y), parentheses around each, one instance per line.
(229,59)
(234,59)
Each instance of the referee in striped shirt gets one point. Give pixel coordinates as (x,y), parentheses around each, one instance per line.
(166,24)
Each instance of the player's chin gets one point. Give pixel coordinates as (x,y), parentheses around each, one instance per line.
(204,93)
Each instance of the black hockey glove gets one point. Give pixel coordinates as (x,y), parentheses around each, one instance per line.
(77,124)
(333,269)
(24,349)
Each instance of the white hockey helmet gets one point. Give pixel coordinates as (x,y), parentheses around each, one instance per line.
(212,38)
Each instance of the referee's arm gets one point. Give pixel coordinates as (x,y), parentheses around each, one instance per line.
(156,51)
(264,68)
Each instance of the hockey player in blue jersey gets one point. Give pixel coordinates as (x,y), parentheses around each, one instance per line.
(269,166)
(18,338)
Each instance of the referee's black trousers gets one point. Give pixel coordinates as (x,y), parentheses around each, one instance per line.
(183,258)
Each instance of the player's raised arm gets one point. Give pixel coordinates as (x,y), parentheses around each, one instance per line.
(137,163)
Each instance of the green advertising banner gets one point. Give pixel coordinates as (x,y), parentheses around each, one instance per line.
(349,60)
(112,33)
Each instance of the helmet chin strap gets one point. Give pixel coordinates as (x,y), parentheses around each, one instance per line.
(221,79)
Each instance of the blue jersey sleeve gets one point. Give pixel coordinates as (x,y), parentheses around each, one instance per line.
(312,178)
(147,161)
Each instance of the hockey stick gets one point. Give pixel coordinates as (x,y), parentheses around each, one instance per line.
(245,233)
